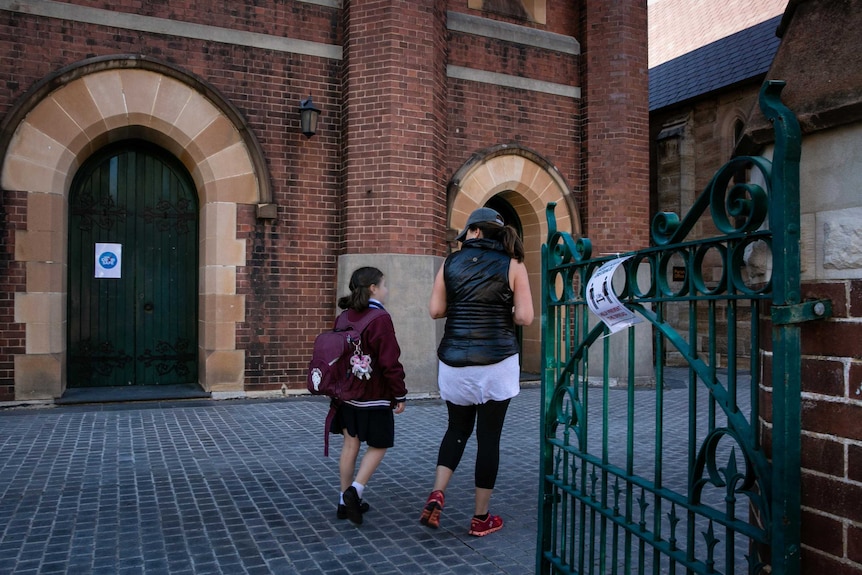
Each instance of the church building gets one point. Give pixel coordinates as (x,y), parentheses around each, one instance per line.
(185,186)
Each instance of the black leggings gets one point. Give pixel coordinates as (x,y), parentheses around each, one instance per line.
(489,427)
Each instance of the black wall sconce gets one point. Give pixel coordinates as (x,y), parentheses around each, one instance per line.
(308,115)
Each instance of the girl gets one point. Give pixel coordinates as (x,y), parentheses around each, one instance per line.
(370,418)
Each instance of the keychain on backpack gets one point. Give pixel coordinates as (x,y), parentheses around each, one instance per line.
(360,363)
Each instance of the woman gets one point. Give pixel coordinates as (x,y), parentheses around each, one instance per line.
(483,291)
(368,419)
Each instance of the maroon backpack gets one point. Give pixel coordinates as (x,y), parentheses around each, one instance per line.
(331,369)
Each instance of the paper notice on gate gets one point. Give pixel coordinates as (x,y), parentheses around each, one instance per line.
(603,302)
(109,260)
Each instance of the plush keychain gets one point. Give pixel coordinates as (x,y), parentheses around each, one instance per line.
(361,364)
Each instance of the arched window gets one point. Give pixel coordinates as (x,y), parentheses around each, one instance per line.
(738,127)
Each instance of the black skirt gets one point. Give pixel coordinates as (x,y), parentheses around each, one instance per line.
(376,427)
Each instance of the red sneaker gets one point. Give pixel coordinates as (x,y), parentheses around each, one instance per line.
(431,511)
(479,528)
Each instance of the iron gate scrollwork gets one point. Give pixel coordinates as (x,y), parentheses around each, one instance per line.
(655,451)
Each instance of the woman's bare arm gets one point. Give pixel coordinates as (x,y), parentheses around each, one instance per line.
(520,283)
(437,306)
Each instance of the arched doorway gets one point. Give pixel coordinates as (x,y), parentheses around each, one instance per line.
(509,213)
(133,269)
(499,204)
(50,134)
(519,184)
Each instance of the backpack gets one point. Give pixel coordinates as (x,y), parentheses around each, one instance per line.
(338,365)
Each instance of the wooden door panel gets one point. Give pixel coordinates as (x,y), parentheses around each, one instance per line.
(167,291)
(141,328)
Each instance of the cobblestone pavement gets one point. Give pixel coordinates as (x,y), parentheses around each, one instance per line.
(242,486)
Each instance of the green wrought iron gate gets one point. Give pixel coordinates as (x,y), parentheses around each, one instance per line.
(667,447)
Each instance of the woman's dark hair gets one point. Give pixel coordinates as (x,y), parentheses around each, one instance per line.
(360,288)
(506,235)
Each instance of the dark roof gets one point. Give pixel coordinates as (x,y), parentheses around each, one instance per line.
(819,60)
(733,59)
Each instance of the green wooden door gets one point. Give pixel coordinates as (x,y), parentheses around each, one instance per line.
(137,202)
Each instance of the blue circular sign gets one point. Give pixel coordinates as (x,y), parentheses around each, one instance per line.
(108,260)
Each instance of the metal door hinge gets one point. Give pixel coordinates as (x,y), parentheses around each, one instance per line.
(805,311)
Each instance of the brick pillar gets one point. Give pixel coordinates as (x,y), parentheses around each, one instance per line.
(395,126)
(615,149)
(394,202)
(831,456)
(616,124)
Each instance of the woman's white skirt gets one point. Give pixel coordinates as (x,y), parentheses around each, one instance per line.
(475,384)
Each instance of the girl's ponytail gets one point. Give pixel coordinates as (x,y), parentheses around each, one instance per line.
(360,288)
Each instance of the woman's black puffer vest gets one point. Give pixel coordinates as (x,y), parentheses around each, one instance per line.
(480,329)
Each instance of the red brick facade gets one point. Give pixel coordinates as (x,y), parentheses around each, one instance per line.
(397,123)
(830,459)
(831,411)
(12,337)
(615,151)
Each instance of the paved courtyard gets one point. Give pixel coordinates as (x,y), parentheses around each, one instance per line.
(242,486)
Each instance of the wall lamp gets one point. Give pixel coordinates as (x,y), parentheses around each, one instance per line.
(308,115)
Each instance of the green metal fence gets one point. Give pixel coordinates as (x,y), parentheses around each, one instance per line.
(672,446)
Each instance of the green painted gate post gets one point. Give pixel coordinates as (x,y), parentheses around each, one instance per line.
(787,348)
(546,463)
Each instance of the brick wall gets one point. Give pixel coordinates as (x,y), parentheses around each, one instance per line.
(13,212)
(831,442)
(495,115)
(393,130)
(394,126)
(615,124)
(290,262)
(831,432)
